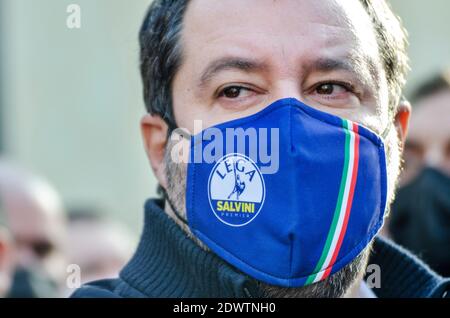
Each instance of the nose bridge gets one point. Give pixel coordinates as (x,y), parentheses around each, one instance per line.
(287,85)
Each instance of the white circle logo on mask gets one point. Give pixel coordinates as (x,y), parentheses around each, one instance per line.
(236,190)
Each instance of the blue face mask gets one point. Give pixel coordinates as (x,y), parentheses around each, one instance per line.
(306,219)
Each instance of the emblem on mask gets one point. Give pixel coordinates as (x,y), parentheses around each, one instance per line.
(236,190)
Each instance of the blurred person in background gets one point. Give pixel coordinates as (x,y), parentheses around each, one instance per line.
(36,221)
(99,246)
(6,258)
(420,218)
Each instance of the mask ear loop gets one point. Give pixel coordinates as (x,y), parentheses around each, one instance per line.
(172,207)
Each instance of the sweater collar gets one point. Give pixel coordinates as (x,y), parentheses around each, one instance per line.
(403,275)
(168,263)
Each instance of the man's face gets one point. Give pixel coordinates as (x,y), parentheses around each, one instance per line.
(37,227)
(239,56)
(428,142)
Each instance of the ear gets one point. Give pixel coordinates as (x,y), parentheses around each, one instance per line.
(154,133)
(402,119)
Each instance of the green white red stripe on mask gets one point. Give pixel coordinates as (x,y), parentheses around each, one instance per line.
(343,208)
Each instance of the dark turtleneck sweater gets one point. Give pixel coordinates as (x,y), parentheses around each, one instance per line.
(169,264)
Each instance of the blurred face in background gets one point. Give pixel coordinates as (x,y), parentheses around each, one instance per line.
(428,142)
(99,247)
(37,229)
(421,212)
(37,226)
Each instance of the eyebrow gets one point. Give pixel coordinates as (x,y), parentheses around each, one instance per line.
(363,67)
(230,63)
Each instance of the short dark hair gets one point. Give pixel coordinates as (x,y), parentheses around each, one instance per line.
(160,55)
(433,85)
(161,52)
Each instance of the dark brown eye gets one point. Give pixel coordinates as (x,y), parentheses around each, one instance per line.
(232,92)
(325,89)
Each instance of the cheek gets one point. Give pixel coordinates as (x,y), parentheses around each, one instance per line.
(192,114)
(177,151)
(187,107)
(393,160)
(366,118)
(176,173)
(184,112)
(373,122)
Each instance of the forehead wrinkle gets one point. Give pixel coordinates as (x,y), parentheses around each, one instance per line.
(328,34)
(230,63)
